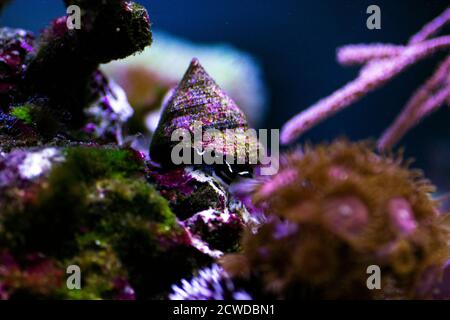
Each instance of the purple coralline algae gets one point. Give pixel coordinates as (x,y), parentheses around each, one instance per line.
(38,278)
(214,218)
(51,85)
(109,112)
(15,45)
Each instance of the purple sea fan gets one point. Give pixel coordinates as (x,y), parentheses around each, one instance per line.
(341,209)
(211,284)
(382,62)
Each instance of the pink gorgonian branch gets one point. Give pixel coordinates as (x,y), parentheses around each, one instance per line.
(431,28)
(357,54)
(426,99)
(382,62)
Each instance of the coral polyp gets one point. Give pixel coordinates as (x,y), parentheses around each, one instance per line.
(210,284)
(333,211)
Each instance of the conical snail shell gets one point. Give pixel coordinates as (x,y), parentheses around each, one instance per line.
(199,100)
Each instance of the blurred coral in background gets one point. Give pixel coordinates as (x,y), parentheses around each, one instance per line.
(333,211)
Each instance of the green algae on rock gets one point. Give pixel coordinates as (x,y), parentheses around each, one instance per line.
(72,191)
(65,60)
(56,76)
(97,203)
